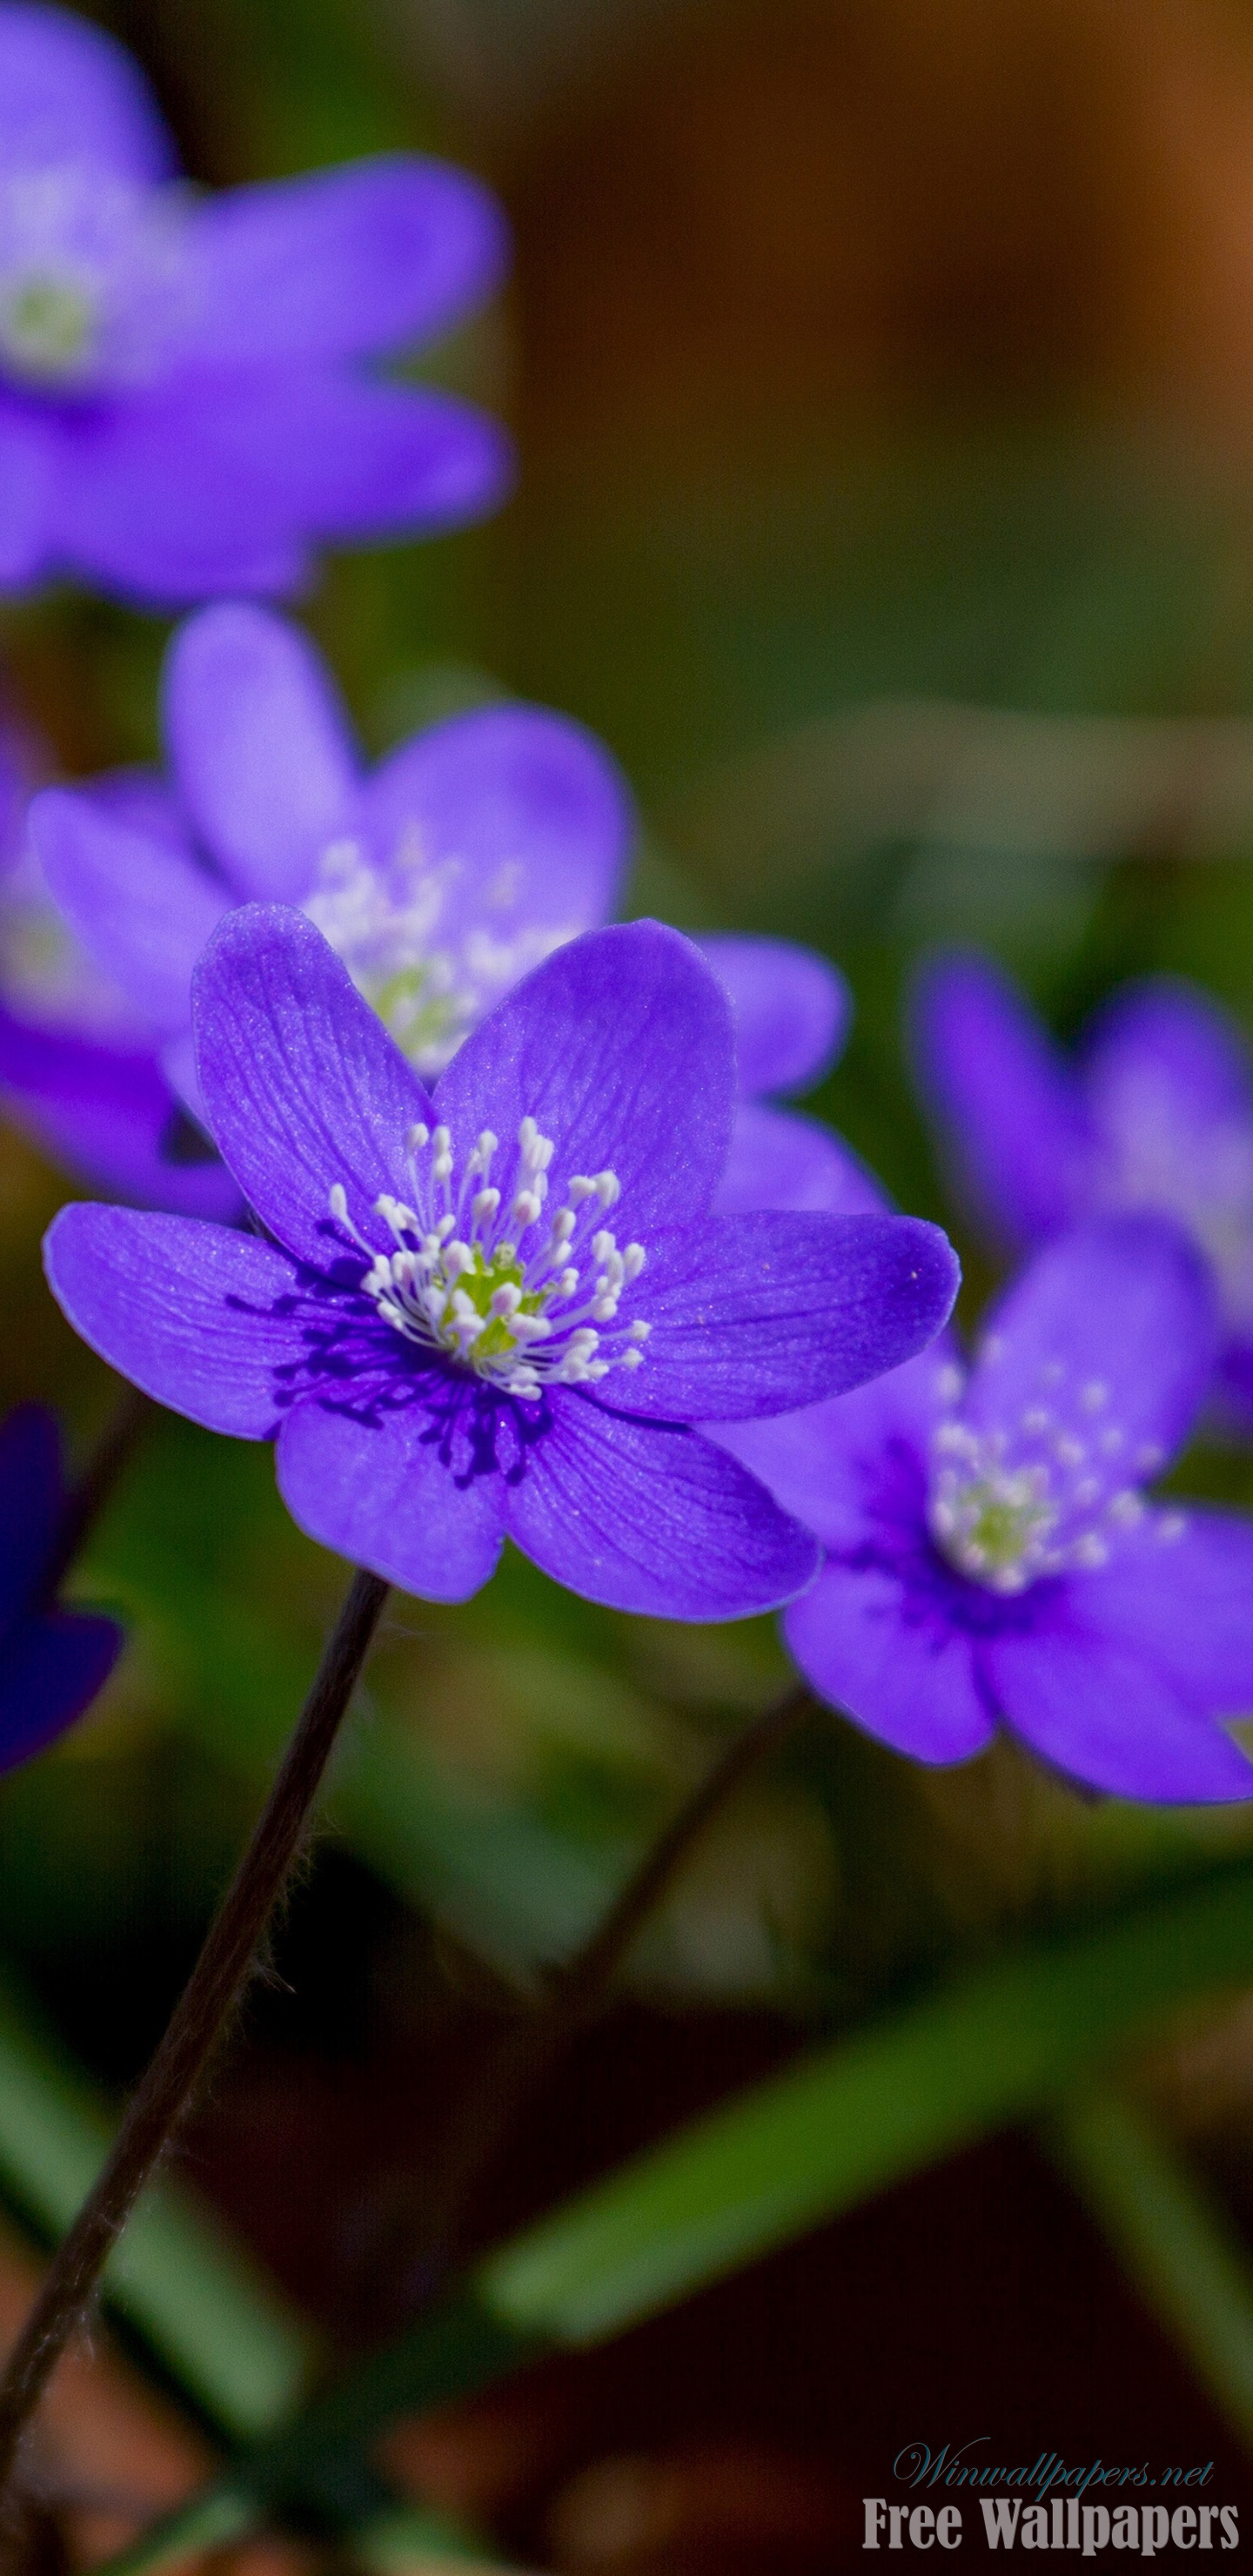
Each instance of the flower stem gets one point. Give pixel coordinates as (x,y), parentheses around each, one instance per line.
(196,2025)
(525,2055)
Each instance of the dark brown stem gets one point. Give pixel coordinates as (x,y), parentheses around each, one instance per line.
(521,2060)
(197,2023)
(86,1500)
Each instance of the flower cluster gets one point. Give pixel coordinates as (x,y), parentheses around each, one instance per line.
(185,404)
(1155,1111)
(991,1557)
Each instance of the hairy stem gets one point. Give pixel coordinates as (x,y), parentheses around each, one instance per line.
(197,2023)
(526,2053)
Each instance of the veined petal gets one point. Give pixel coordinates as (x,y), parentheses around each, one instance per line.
(620,1046)
(1113,1329)
(866,1646)
(142,909)
(762,1314)
(51,1670)
(302,1086)
(342,262)
(780,1160)
(69,93)
(260,744)
(791,1008)
(32,1493)
(400,1491)
(201,1317)
(648,1517)
(1108,1717)
(1010,1113)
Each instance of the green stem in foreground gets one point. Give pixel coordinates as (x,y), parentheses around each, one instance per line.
(197,2023)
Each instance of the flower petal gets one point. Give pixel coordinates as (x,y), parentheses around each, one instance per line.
(1114,1328)
(28,476)
(792,1010)
(1009,1111)
(112,1119)
(863,1642)
(32,1495)
(342,262)
(762,1314)
(518,823)
(854,1468)
(199,1316)
(69,93)
(651,1518)
(779,1160)
(51,1671)
(141,907)
(1181,1597)
(1106,1716)
(401,1493)
(1165,1045)
(621,1047)
(301,1084)
(260,744)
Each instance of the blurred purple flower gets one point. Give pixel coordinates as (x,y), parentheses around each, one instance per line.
(468,856)
(1155,1111)
(991,1558)
(184,400)
(52,1661)
(445,1331)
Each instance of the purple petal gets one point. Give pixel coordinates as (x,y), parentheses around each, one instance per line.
(621,1048)
(342,262)
(518,823)
(142,908)
(1009,1112)
(1180,1595)
(762,1314)
(353,460)
(791,1009)
(1113,1329)
(779,1160)
(51,1670)
(69,93)
(112,1118)
(651,1518)
(867,1646)
(1106,1716)
(27,491)
(32,1493)
(199,1316)
(260,745)
(400,1493)
(857,1465)
(1166,1045)
(302,1085)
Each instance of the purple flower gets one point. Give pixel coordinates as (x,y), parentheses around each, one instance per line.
(471,854)
(185,399)
(498,1309)
(1155,1111)
(792,1011)
(991,1558)
(52,1661)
